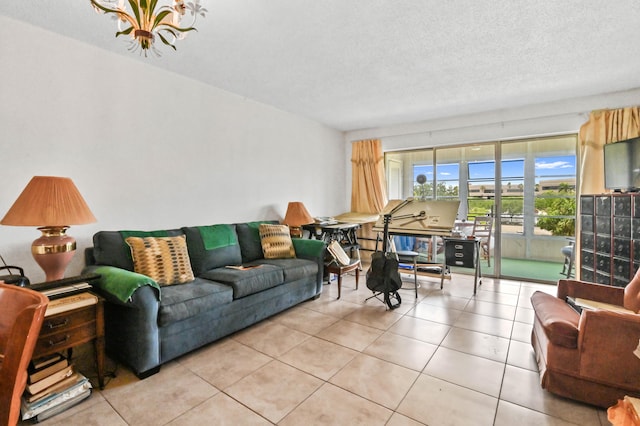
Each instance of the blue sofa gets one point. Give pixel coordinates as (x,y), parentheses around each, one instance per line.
(147,325)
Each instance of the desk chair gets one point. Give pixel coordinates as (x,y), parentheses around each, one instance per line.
(22,315)
(482,227)
(567,252)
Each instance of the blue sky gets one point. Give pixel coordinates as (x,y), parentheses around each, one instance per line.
(545,166)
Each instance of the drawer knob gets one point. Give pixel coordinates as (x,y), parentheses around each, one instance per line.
(61,341)
(52,325)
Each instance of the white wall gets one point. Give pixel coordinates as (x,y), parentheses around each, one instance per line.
(148,149)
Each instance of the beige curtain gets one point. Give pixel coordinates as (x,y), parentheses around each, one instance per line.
(603,127)
(368,188)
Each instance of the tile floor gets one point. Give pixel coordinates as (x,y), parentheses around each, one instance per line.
(445,358)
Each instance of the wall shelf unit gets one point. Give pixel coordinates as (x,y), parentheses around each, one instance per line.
(609,238)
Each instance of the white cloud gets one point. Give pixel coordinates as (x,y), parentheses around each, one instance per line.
(554,165)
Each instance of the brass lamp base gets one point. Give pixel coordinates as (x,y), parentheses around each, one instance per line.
(295,232)
(53,251)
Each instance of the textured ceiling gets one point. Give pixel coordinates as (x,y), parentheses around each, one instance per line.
(354,64)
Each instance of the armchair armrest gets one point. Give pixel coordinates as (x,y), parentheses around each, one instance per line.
(606,342)
(591,291)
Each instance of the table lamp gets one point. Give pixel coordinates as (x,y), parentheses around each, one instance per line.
(51,204)
(296,216)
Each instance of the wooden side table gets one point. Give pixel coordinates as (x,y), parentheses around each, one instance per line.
(335,268)
(68,329)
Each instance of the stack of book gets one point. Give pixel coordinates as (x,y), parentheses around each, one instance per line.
(53,385)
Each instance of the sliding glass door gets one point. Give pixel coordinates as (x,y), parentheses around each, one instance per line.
(538,206)
(527,187)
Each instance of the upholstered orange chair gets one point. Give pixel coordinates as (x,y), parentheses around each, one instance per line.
(21,314)
(589,356)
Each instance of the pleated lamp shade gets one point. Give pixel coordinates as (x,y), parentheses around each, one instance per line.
(51,204)
(49,201)
(296,216)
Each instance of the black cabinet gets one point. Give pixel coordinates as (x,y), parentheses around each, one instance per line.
(609,238)
(465,254)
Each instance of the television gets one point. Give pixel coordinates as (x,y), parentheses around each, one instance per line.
(622,165)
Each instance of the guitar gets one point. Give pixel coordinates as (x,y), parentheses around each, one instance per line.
(383,276)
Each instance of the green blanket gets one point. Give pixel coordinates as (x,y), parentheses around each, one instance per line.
(217,236)
(122,283)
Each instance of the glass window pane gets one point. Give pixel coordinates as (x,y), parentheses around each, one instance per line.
(482,170)
(513,169)
(423,181)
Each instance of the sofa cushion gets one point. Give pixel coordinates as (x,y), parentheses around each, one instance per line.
(212,246)
(276,241)
(249,239)
(558,319)
(191,299)
(109,247)
(247,281)
(294,269)
(164,259)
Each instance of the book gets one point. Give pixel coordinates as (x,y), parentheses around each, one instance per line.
(54,378)
(40,373)
(338,253)
(42,362)
(66,290)
(571,302)
(63,406)
(32,409)
(61,385)
(581,304)
(242,267)
(68,303)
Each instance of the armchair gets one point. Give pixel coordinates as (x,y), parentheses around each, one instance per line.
(589,356)
(22,314)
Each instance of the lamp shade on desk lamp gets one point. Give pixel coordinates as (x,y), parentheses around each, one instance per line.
(52,204)
(296,216)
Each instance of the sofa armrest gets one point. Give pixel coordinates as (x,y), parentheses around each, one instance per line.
(131,326)
(309,249)
(312,250)
(118,285)
(591,291)
(606,341)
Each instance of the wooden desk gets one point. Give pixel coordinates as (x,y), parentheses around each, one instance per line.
(68,329)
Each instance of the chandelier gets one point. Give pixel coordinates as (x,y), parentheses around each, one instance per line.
(144,20)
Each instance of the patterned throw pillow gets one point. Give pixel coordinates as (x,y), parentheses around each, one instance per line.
(276,242)
(163,259)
